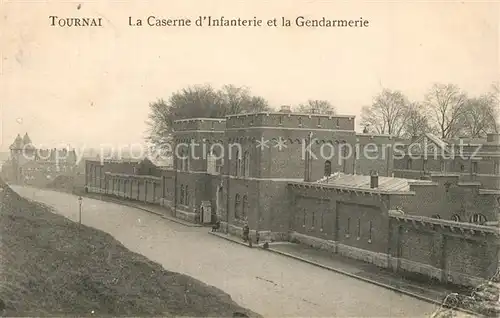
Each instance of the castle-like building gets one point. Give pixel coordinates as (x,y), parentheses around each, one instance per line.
(311,178)
(33,166)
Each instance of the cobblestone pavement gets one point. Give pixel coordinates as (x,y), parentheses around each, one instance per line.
(268,283)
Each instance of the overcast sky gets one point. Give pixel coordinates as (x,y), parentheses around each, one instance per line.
(92,85)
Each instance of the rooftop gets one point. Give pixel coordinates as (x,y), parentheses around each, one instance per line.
(362,182)
(199,119)
(291,114)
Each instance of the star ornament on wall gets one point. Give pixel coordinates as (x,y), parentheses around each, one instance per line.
(262,143)
(280,144)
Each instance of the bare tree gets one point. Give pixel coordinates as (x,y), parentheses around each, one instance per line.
(446,103)
(387,114)
(198,101)
(159,124)
(479,117)
(237,100)
(316,105)
(416,122)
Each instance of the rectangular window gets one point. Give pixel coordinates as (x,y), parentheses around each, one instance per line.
(322,216)
(313,221)
(359,228)
(408,164)
(347,229)
(474,167)
(304,220)
(370,233)
(443,165)
(496,170)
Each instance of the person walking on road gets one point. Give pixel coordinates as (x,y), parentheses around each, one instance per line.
(246,234)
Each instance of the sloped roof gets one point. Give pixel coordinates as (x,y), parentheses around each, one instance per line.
(162,162)
(435,139)
(18,143)
(26,139)
(432,140)
(362,182)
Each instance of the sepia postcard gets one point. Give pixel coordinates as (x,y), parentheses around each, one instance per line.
(249,158)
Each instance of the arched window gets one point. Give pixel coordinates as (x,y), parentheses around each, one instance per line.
(328,168)
(186,200)
(244,207)
(478,218)
(181,199)
(246,164)
(237,206)
(436,216)
(184,160)
(344,156)
(238,163)
(455,217)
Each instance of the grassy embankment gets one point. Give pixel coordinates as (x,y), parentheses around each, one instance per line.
(51,266)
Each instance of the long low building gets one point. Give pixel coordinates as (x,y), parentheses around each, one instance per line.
(311,178)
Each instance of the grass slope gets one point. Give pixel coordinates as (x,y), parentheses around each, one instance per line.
(51,267)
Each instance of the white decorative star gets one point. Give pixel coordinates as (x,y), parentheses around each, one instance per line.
(262,143)
(280,144)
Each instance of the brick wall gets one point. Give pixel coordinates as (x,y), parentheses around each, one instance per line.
(374,152)
(351,219)
(458,199)
(445,250)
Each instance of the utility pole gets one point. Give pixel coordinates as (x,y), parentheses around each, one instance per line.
(80,200)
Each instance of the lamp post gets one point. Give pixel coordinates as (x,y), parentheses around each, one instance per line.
(80,200)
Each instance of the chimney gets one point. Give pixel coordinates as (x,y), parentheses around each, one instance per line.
(374,180)
(493,138)
(285,109)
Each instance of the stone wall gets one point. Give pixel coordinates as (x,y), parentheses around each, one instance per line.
(145,189)
(449,251)
(448,198)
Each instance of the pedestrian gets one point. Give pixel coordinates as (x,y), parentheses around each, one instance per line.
(216,226)
(246,232)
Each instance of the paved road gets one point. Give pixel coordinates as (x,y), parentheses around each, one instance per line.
(269,284)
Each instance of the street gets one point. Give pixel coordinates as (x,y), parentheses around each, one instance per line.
(270,284)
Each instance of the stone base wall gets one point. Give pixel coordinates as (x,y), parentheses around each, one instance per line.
(186,216)
(166,203)
(264,236)
(386,261)
(96,190)
(415,267)
(437,273)
(330,246)
(379,259)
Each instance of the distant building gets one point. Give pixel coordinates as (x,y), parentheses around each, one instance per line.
(29,165)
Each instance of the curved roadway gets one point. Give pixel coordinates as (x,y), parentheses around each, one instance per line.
(270,284)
